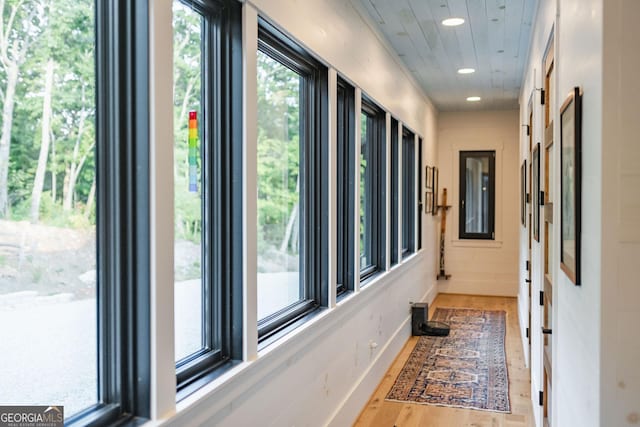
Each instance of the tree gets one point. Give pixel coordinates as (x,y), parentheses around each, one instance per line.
(38,182)
(20,26)
(278,156)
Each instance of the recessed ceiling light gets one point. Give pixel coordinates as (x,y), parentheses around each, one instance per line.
(452,22)
(466,70)
(474,99)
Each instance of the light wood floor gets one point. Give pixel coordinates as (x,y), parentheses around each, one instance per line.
(380,412)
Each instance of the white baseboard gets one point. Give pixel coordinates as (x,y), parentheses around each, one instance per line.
(524,340)
(362,390)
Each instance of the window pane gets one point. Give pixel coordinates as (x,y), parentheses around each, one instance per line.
(280,229)
(408,192)
(187,108)
(365,196)
(48,306)
(394,191)
(345,186)
(477,195)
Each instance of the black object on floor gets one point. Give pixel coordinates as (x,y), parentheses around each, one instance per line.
(419,315)
(435,329)
(420,325)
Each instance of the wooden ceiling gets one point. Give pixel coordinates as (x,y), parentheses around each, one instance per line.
(494,40)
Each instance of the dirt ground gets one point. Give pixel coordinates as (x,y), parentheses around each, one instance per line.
(45,259)
(53,260)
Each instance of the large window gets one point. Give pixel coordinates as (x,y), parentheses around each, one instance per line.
(207,189)
(408,192)
(395,193)
(188,190)
(292,192)
(74,291)
(372,190)
(477,194)
(420,206)
(48,276)
(345,186)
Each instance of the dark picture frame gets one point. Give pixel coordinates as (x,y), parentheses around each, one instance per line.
(523,193)
(428,178)
(434,199)
(570,184)
(428,197)
(535,190)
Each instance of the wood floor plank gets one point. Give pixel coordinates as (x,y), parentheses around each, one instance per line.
(383,413)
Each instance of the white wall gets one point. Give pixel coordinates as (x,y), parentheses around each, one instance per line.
(576,310)
(620,192)
(542,30)
(481,267)
(325,371)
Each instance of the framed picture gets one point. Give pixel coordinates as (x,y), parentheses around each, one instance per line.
(570,184)
(428,178)
(428,197)
(535,189)
(523,193)
(434,208)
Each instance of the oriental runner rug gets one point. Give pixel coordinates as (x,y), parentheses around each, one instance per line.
(466,369)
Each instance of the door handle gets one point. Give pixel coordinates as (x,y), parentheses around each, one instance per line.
(546,331)
(527,280)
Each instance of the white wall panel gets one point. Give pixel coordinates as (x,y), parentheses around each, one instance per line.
(481,267)
(620,376)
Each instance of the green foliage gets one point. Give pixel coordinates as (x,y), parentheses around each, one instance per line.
(63,31)
(187,94)
(363,185)
(278,158)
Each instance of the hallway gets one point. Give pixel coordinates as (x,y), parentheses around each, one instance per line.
(380,412)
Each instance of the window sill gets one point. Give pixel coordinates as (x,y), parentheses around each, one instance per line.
(244,375)
(477,243)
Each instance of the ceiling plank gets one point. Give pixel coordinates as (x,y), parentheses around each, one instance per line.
(494,40)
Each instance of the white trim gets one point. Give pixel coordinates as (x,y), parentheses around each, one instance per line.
(523,328)
(477,243)
(163,368)
(250,182)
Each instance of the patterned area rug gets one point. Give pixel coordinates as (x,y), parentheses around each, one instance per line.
(467,369)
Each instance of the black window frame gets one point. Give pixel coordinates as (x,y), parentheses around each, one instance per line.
(395,194)
(421,201)
(408,192)
(222,183)
(346,175)
(462,233)
(376,174)
(122,215)
(314,191)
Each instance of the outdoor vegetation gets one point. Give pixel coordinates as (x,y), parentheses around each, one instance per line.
(278,166)
(187,95)
(47,145)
